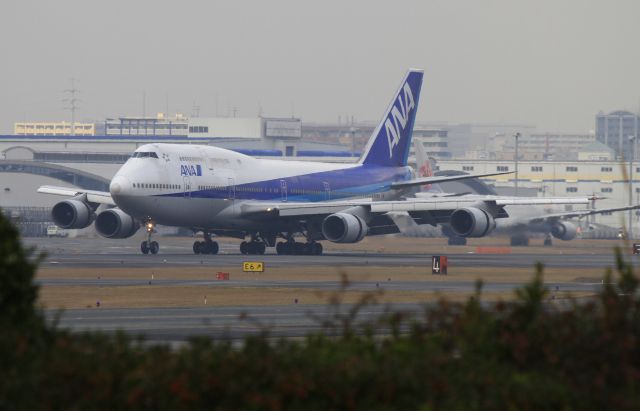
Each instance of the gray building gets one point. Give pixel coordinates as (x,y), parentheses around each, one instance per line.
(615,129)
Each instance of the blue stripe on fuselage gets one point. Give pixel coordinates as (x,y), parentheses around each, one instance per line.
(351,182)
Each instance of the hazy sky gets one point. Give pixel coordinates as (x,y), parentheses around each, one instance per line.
(549,63)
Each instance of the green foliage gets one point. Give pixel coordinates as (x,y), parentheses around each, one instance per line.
(530,354)
(23,335)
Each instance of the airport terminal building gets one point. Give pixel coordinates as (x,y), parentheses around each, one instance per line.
(601,178)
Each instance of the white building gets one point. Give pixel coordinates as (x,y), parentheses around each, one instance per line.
(607,179)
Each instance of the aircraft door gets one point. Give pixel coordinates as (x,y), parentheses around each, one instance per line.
(283,190)
(231,189)
(186,182)
(327,190)
(207,161)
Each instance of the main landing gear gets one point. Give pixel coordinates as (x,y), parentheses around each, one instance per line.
(253,247)
(548,241)
(208,246)
(149,246)
(294,248)
(256,246)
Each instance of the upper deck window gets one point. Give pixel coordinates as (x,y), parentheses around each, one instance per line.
(140,154)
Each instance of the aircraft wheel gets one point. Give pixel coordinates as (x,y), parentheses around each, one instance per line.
(308,249)
(196,247)
(244,247)
(154,247)
(280,248)
(261,248)
(548,242)
(316,249)
(213,247)
(144,247)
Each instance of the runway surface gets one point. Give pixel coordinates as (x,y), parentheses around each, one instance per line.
(440,286)
(170,325)
(100,253)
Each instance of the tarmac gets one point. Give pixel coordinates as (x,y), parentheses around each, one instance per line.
(101,253)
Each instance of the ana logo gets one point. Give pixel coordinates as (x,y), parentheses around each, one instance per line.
(187,170)
(397,120)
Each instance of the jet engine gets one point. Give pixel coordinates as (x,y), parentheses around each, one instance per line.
(471,222)
(115,223)
(344,228)
(564,230)
(72,214)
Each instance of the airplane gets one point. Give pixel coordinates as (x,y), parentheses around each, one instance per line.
(224,193)
(521,222)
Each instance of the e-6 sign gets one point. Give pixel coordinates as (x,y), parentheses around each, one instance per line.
(253,266)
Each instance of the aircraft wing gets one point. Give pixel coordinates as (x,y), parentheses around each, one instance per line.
(441,179)
(265,209)
(98,197)
(580,213)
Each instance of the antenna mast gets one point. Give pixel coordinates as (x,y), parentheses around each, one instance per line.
(73,101)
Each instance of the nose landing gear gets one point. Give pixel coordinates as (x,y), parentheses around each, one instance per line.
(149,246)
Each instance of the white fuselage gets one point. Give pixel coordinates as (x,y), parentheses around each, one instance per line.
(204,187)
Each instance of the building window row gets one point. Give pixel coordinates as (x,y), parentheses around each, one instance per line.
(572,189)
(606,190)
(606,169)
(198,129)
(572,169)
(502,168)
(467,168)
(536,168)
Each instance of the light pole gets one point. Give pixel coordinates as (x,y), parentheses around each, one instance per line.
(517,135)
(632,150)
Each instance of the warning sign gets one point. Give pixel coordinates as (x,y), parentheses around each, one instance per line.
(253,266)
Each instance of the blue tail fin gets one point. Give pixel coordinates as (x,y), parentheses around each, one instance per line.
(389,144)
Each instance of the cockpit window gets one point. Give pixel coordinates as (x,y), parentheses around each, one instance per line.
(140,154)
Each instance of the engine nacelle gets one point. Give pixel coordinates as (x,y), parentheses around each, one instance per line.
(344,228)
(564,230)
(115,223)
(472,222)
(72,214)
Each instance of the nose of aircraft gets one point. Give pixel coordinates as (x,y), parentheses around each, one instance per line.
(120,185)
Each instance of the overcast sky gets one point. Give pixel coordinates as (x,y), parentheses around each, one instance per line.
(549,63)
